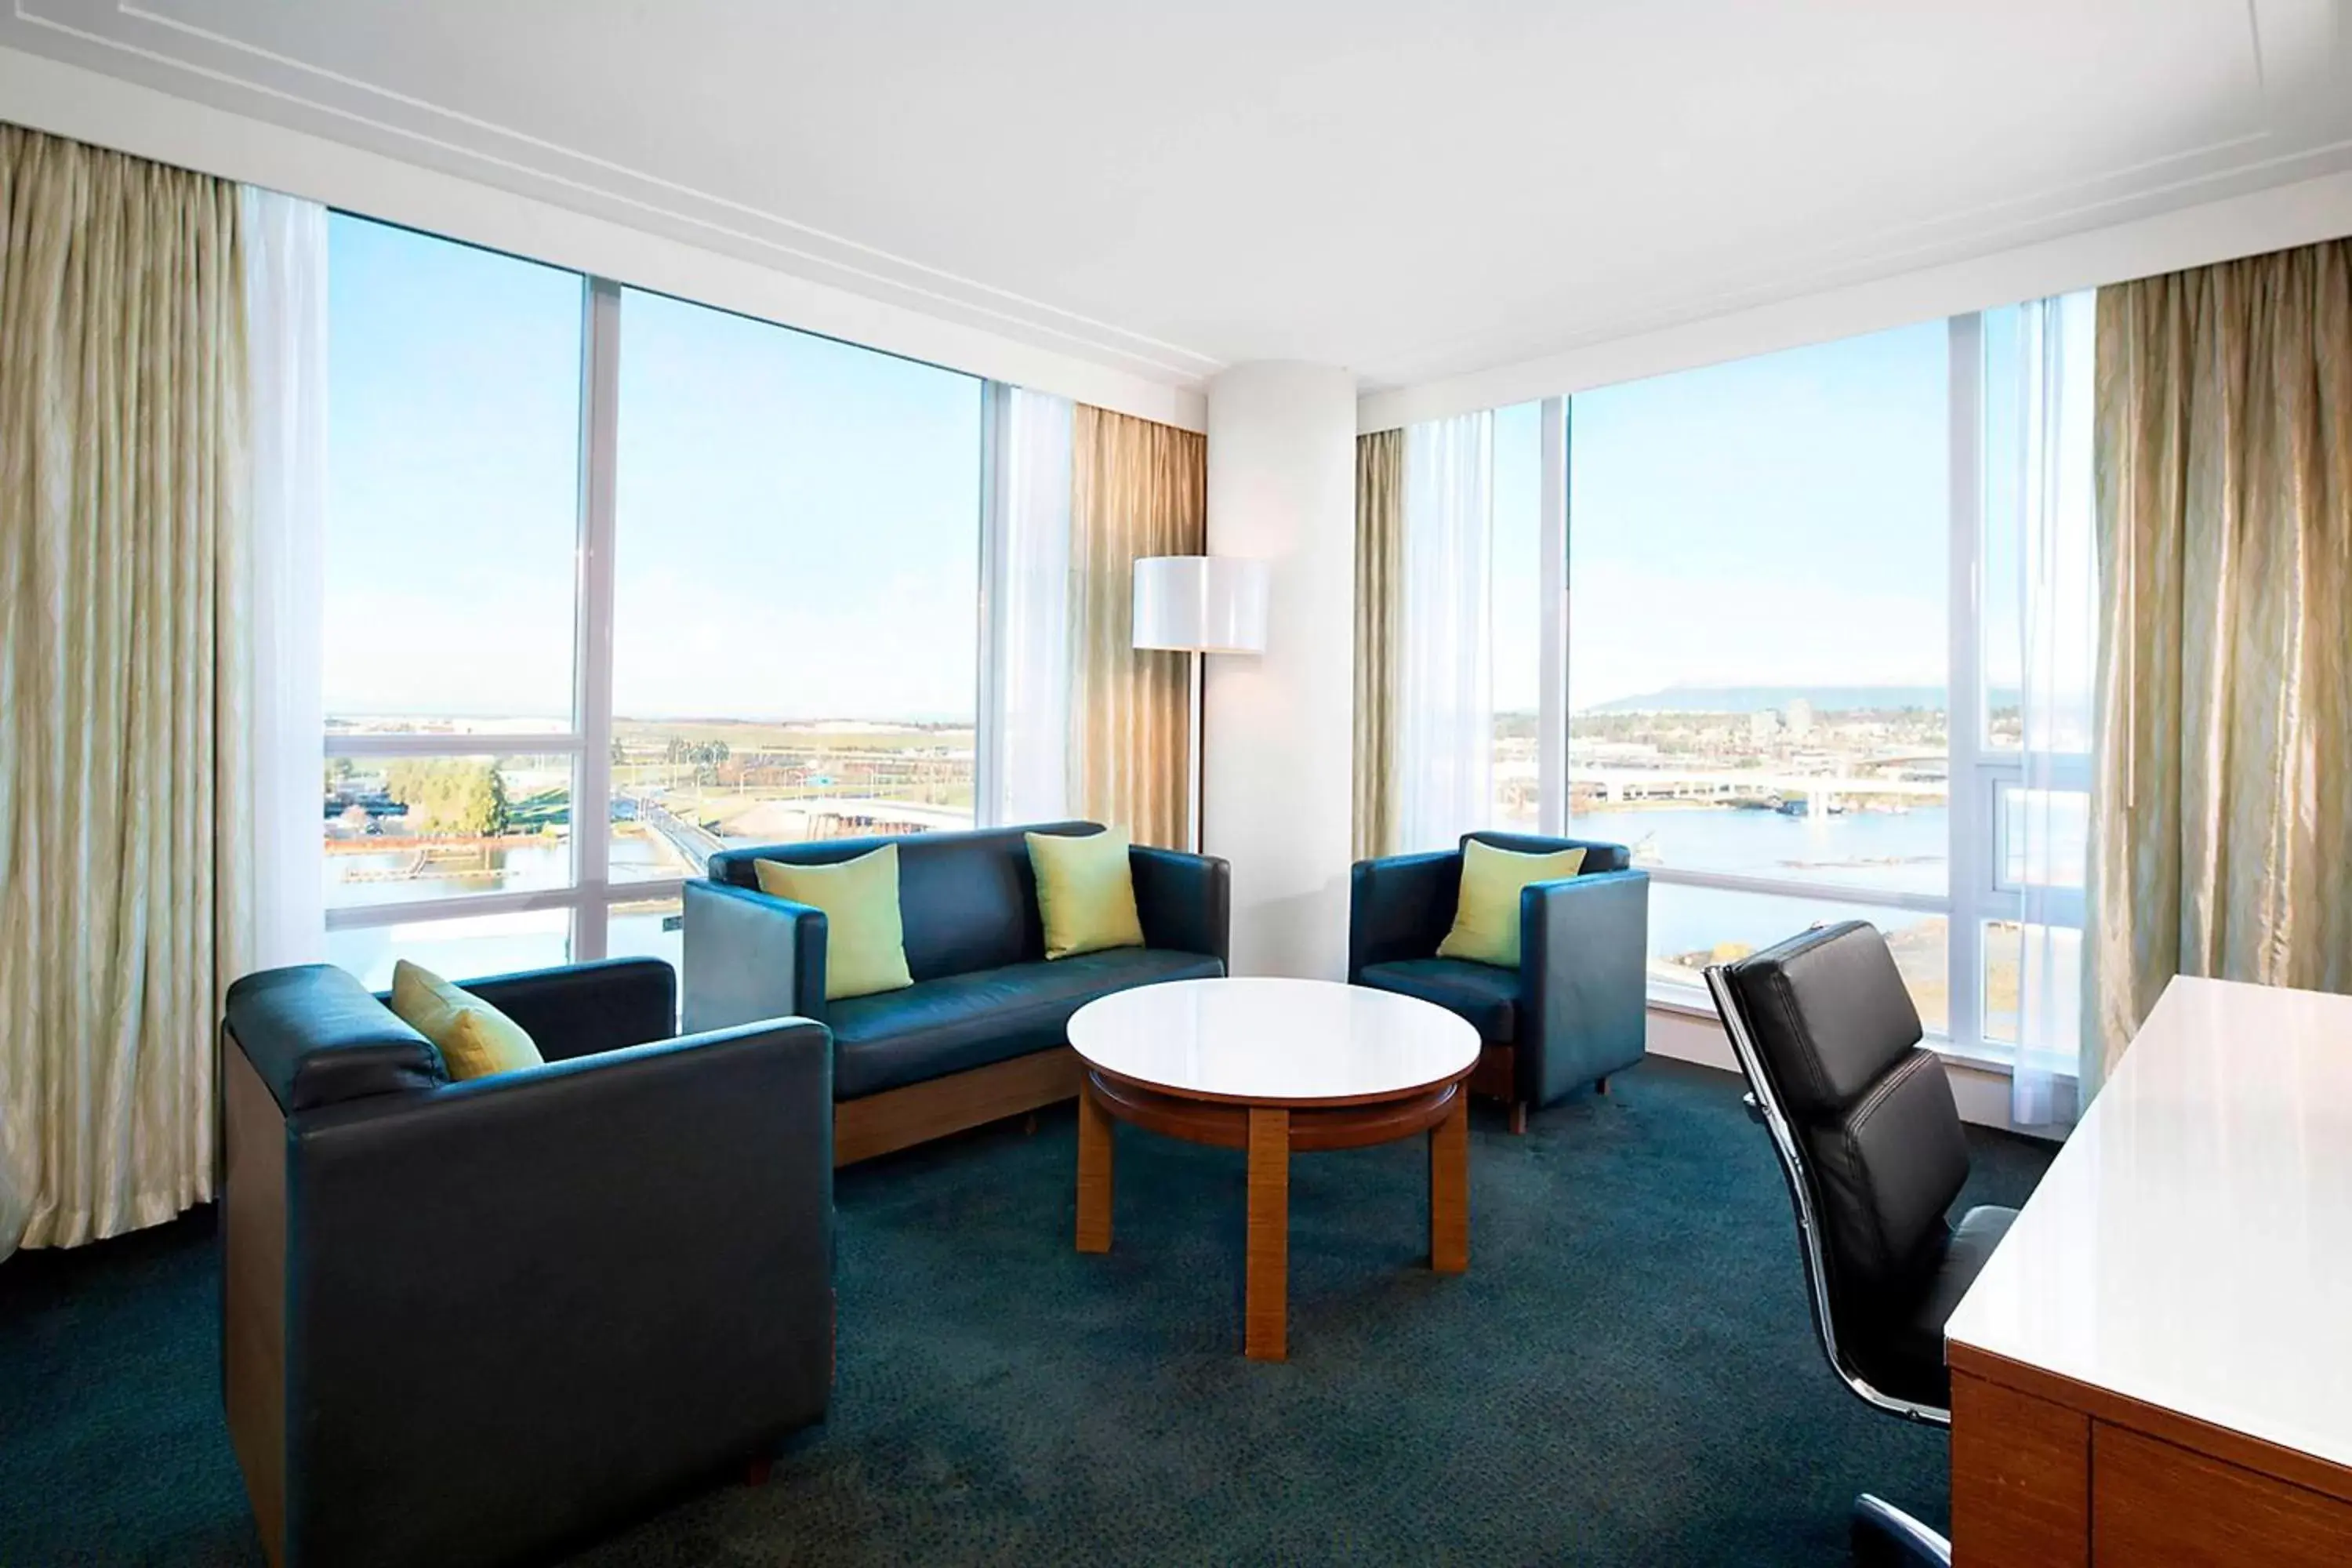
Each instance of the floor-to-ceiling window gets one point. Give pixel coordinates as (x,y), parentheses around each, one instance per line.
(614,580)
(453,734)
(1829,619)
(795,629)
(1758,644)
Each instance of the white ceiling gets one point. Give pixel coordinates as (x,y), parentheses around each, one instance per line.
(1411,190)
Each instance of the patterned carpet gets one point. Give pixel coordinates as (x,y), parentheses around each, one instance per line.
(1626,1375)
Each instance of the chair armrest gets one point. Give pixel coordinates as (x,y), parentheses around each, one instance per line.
(608,1273)
(586,1009)
(1401,906)
(749,956)
(1185,900)
(1584,963)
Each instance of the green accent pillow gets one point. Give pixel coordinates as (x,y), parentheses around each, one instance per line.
(865,941)
(1086,893)
(475,1039)
(1486,915)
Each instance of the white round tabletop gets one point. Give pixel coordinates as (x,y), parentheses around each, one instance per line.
(1289,1041)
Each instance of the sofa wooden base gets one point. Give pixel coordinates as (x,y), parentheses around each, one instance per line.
(901,1118)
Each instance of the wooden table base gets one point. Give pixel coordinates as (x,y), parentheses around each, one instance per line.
(1269,1134)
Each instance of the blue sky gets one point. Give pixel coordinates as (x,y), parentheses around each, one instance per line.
(1776,520)
(798,517)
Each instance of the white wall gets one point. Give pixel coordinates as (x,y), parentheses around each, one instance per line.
(64,101)
(1279,728)
(2298,214)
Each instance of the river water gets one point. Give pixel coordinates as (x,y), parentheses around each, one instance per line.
(1900,852)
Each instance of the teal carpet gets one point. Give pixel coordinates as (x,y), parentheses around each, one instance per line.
(1626,1375)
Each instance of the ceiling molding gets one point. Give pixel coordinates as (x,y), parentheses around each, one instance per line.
(1862,263)
(2274,217)
(2216,100)
(866,268)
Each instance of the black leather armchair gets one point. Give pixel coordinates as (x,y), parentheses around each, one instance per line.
(477,1322)
(1869,1140)
(1574,1010)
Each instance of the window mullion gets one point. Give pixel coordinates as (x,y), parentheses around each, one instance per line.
(988,725)
(592,813)
(1969,814)
(1552,544)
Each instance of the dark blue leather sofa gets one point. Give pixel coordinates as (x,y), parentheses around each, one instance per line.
(980,1033)
(1575,1008)
(486,1322)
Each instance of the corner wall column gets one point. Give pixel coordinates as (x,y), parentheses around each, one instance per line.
(1279,740)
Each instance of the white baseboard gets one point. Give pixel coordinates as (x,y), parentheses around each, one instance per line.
(1982,1093)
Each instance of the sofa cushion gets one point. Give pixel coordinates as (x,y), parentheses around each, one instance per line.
(938,1026)
(864,941)
(1485,996)
(967,901)
(1085,891)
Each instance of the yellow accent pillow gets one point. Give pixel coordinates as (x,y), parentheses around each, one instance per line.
(865,940)
(475,1039)
(1486,914)
(1085,892)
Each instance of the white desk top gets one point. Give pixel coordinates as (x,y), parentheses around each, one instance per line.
(1287,1041)
(2191,1244)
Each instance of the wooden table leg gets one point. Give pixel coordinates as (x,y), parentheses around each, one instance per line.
(1266,1298)
(1449,1189)
(1095,1147)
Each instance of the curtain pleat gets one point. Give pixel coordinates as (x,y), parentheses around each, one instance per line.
(1379,583)
(1444,720)
(1137,489)
(2221,813)
(122,915)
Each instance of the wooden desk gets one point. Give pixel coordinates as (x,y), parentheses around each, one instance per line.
(2157,1364)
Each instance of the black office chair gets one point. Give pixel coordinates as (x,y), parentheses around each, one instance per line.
(1869,1138)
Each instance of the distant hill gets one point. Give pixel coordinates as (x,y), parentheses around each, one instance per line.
(1760,698)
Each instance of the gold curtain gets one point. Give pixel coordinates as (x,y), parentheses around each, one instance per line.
(2221,825)
(1379,565)
(122,915)
(1137,489)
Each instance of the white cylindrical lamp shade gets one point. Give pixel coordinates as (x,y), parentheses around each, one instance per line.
(1203,604)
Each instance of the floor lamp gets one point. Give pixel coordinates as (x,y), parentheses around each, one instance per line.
(1200,604)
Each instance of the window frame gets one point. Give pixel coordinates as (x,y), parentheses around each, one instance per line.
(1977,773)
(593,895)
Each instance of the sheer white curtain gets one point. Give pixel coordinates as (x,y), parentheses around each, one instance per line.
(1443,762)
(1027,675)
(284,574)
(2055,589)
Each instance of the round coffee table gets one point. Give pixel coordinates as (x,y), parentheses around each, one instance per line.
(1271,1066)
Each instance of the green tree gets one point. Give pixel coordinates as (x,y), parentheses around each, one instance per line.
(455,798)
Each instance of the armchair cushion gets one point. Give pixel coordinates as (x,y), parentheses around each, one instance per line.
(1486,911)
(1486,997)
(959,1021)
(475,1039)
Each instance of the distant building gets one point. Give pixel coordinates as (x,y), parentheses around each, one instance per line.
(1762,725)
(1800,718)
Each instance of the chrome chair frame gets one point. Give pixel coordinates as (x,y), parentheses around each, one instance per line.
(1883,1534)
(1764,1106)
